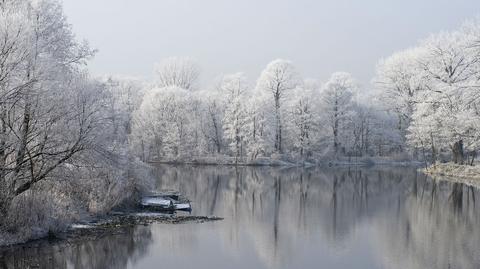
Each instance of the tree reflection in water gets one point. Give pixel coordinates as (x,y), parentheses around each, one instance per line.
(113,251)
(274,217)
(415,221)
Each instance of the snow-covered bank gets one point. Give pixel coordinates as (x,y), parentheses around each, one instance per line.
(61,200)
(107,225)
(287,161)
(370,161)
(453,172)
(227,160)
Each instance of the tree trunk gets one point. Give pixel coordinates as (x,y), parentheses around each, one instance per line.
(24,136)
(473,154)
(218,143)
(458,154)
(278,123)
(335,127)
(335,137)
(4,185)
(434,150)
(279,135)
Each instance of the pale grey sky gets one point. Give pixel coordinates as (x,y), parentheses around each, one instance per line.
(227,36)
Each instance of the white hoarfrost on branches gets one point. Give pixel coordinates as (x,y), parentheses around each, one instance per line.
(58,147)
(281,117)
(234,89)
(433,89)
(400,78)
(446,115)
(336,98)
(177,72)
(425,102)
(304,117)
(277,82)
(163,122)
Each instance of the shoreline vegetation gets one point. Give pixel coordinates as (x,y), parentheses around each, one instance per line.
(111,224)
(466,174)
(289,162)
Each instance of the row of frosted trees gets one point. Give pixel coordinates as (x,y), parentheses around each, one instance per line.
(424,102)
(282,114)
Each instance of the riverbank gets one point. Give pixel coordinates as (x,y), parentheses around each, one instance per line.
(289,161)
(466,174)
(113,223)
(231,161)
(72,194)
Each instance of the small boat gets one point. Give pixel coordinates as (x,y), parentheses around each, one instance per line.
(165,202)
(156,201)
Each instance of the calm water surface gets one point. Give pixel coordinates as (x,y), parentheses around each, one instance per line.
(291,218)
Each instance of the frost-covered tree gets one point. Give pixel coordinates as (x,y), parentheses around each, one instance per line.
(257,132)
(39,61)
(163,123)
(277,81)
(234,89)
(399,78)
(336,98)
(125,96)
(304,116)
(357,139)
(212,108)
(370,129)
(446,114)
(177,72)
(55,129)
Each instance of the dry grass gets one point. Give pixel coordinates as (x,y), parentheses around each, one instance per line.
(454,172)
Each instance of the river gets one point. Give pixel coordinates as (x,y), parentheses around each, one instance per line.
(384,217)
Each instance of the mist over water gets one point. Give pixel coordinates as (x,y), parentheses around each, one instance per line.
(290,218)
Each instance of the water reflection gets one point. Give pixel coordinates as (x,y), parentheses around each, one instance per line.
(114,251)
(402,218)
(292,218)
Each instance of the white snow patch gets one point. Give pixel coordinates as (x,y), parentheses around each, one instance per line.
(151,214)
(156,201)
(182,206)
(80,226)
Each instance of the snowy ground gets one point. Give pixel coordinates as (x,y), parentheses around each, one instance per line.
(227,160)
(453,172)
(289,161)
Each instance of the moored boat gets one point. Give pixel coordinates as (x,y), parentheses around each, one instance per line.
(165,202)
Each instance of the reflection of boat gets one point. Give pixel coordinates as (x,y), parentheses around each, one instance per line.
(165,202)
